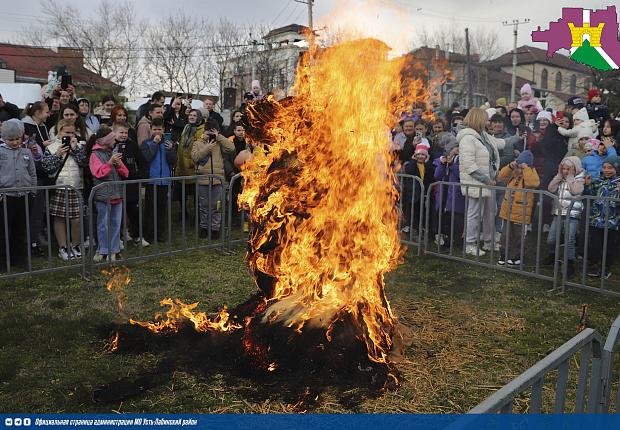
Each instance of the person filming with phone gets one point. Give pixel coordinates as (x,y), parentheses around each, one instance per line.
(208,155)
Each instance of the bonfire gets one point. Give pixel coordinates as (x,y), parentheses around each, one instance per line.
(322,201)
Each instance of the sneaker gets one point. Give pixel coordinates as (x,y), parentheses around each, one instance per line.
(516,262)
(142,241)
(439,239)
(487,246)
(405,229)
(112,257)
(607,275)
(594,272)
(472,249)
(128,237)
(77,252)
(98,258)
(122,246)
(87,242)
(501,262)
(546,228)
(36,250)
(63,254)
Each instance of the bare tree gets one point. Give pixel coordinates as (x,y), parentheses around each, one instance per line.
(110,39)
(179,58)
(484,43)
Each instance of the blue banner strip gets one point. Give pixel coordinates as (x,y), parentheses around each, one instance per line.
(306,421)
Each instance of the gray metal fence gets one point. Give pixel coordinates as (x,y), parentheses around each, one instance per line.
(588,393)
(33,209)
(521,243)
(411,208)
(200,209)
(608,377)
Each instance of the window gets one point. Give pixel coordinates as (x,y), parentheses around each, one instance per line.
(558,81)
(543,79)
(573,84)
(2,64)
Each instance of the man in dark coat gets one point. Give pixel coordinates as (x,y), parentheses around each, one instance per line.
(8,110)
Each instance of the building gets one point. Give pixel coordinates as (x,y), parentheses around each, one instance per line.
(28,64)
(273,63)
(553,80)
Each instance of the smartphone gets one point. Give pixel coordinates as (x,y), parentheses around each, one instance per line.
(66,141)
(418,134)
(167,137)
(65,81)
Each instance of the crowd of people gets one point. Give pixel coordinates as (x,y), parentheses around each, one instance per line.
(63,141)
(494,154)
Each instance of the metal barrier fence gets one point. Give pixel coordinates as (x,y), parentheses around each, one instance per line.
(21,215)
(474,221)
(588,344)
(411,206)
(150,204)
(239,219)
(609,351)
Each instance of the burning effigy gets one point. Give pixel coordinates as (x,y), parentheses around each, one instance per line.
(322,202)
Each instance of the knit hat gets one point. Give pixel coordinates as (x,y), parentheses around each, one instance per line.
(594,144)
(448,142)
(526,89)
(500,101)
(421,149)
(531,103)
(12,129)
(581,114)
(491,112)
(526,157)
(544,114)
(614,160)
(423,143)
(593,93)
(575,101)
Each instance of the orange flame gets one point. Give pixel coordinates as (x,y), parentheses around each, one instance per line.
(180,313)
(119,279)
(321,194)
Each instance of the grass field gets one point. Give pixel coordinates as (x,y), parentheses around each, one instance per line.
(474,330)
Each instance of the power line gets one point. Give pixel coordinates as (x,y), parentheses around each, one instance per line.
(286,6)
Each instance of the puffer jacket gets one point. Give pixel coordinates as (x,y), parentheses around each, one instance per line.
(602,209)
(568,189)
(209,158)
(519,202)
(16,169)
(71,172)
(476,161)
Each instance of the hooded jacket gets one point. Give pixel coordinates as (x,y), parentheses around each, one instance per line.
(478,161)
(519,203)
(16,169)
(91,121)
(104,172)
(604,212)
(209,157)
(185,164)
(71,173)
(568,189)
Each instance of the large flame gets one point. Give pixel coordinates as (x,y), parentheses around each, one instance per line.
(321,194)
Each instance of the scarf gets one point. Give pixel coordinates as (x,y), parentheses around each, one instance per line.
(190,130)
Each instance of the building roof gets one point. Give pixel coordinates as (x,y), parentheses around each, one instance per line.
(294,28)
(529,54)
(33,63)
(428,53)
(505,78)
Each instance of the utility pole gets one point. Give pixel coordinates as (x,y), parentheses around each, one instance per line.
(515,23)
(470,82)
(310,3)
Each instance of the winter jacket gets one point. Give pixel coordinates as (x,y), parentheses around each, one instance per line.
(185,164)
(16,169)
(507,154)
(598,112)
(519,202)
(572,133)
(41,135)
(103,172)
(453,198)
(133,159)
(8,111)
(593,163)
(71,173)
(568,189)
(411,168)
(478,161)
(554,149)
(143,130)
(602,209)
(159,160)
(209,158)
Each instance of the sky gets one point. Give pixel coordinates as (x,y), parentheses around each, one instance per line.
(397,22)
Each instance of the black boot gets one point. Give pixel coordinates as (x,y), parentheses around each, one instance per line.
(204,233)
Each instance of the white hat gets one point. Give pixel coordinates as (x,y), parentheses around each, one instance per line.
(544,114)
(491,112)
(581,114)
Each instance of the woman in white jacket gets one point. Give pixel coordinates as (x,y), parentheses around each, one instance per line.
(479,163)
